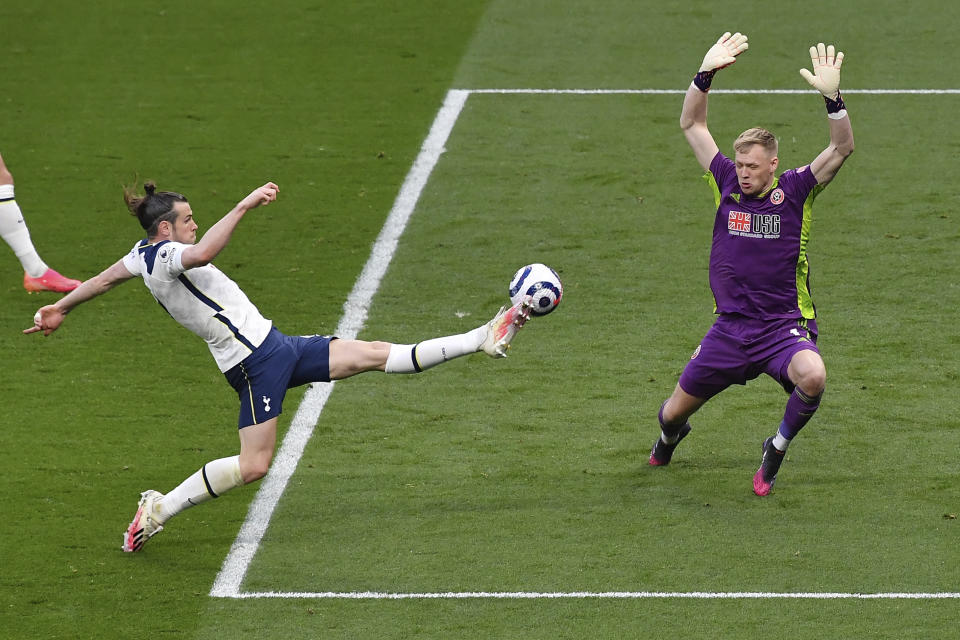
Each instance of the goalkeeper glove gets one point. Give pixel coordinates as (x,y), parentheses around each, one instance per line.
(826,70)
(722,54)
(826,75)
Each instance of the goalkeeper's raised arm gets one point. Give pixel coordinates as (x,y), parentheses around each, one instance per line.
(693,117)
(766,321)
(825,78)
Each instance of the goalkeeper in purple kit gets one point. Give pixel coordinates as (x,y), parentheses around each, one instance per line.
(759,273)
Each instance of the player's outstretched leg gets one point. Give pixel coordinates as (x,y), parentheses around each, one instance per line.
(504,326)
(493,338)
(145,524)
(765,476)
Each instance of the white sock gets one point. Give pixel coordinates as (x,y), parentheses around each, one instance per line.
(211,481)
(780,442)
(665,439)
(14,231)
(414,358)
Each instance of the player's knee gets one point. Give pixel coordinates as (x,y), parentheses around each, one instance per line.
(253,468)
(377,351)
(371,356)
(669,417)
(254,473)
(813,380)
(350,357)
(675,412)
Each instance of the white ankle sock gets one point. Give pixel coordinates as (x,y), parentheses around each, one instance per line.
(780,442)
(211,481)
(14,231)
(665,439)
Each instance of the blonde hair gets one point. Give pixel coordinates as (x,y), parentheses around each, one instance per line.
(756,135)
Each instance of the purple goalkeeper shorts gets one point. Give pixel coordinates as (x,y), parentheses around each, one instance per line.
(737,349)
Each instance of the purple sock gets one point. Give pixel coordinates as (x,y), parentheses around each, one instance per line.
(669,430)
(800,408)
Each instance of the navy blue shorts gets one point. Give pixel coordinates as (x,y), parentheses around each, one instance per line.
(737,349)
(282,362)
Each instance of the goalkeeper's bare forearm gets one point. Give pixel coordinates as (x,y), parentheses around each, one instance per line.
(825,78)
(693,115)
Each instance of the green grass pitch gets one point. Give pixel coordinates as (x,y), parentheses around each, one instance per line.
(524,475)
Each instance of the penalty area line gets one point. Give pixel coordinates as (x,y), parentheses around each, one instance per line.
(355,309)
(712,91)
(237,562)
(598,595)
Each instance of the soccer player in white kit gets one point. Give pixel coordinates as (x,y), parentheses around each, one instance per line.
(259,361)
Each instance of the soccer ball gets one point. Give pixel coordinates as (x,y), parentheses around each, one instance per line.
(541,283)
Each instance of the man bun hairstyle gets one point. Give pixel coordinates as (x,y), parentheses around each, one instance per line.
(154,207)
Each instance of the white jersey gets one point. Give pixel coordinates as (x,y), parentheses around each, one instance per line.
(202,299)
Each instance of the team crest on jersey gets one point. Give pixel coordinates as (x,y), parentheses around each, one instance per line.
(166,253)
(776,196)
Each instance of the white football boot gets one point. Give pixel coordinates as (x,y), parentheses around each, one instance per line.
(145,524)
(504,326)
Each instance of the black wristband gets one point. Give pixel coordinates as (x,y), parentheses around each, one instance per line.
(703,80)
(834,106)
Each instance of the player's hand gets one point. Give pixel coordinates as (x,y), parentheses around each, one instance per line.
(826,70)
(724,52)
(47,319)
(262,195)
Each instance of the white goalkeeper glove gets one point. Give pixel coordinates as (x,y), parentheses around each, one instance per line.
(826,70)
(724,52)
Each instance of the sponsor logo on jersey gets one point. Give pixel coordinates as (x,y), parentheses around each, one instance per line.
(696,352)
(753,225)
(738,221)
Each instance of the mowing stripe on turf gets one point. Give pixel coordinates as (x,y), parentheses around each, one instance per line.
(228,581)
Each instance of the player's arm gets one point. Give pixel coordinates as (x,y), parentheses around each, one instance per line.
(693,116)
(217,236)
(49,318)
(825,78)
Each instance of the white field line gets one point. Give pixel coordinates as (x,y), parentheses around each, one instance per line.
(228,581)
(586,595)
(712,91)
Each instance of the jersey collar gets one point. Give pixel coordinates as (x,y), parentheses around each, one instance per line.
(773,185)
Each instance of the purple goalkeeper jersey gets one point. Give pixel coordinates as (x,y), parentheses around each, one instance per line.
(758,260)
